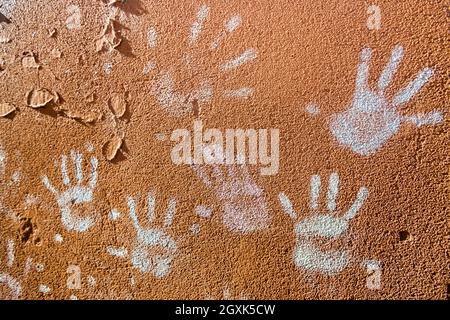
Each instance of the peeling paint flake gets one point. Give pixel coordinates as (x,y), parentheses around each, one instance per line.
(111,147)
(118,104)
(6,109)
(29,60)
(88,117)
(109,39)
(38,98)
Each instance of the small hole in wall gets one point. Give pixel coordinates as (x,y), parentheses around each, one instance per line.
(37,241)
(404,235)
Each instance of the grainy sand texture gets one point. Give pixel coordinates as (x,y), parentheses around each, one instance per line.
(224,149)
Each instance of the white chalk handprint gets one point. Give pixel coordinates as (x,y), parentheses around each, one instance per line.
(307,253)
(176,103)
(158,264)
(371,120)
(76,199)
(7,279)
(154,249)
(244,202)
(180,102)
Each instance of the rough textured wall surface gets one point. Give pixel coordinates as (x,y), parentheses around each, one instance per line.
(119,179)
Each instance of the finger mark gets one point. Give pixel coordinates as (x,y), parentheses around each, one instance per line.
(363,70)
(248,55)
(391,68)
(64,172)
(315,192)
(48,185)
(94,166)
(363,193)
(333,185)
(406,94)
(132,212)
(287,205)
(197,26)
(78,159)
(170,212)
(151,207)
(431,118)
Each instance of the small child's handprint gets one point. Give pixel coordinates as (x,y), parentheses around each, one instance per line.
(372,119)
(307,254)
(77,198)
(245,208)
(155,239)
(154,249)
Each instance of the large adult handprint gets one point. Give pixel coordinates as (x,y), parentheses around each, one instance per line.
(308,254)
(180,102)
(372,119)
(76,197)
(244,202)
